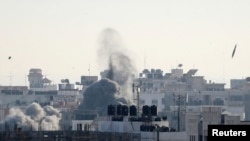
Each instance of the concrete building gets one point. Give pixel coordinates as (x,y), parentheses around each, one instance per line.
(153,99)
(81,125)
(88,80)
(197,121)
(155,81)
(36,78)
(190,102)
(247,106)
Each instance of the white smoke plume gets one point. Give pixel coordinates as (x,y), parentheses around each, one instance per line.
(34,117)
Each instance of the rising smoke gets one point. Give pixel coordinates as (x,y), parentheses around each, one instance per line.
(116,86)
(100,94)
(34,117)
(119,65)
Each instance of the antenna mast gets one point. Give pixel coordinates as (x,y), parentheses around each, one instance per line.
(10,77)
(89,69)
(10,83)
(180,108)
(138,96)
(145,59)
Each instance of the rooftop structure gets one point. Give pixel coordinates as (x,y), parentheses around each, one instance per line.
(36,78)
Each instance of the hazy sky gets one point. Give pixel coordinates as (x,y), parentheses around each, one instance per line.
(61,36)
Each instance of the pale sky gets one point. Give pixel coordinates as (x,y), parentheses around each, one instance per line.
(61,36)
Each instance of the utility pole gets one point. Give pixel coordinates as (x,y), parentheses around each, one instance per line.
(180,104)
(138,96)
(10,76)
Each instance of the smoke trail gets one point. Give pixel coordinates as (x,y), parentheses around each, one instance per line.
(110,42)
(120,67)
(115,88)
(33,117)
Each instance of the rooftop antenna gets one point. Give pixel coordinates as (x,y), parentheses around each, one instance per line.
(10,77)
(89,69)
(25,79)
(45,74)
(145,59)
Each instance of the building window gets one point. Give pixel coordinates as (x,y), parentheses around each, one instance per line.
(142,102)
(155,102)
(191,138)
(163,100)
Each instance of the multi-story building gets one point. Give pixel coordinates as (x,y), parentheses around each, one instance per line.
(179,89)
(197,121)
(36,78)
(190,102)
(88,80)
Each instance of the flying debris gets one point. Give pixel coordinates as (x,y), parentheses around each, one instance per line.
(234,50)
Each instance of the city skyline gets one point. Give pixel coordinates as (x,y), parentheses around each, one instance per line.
(62,37)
